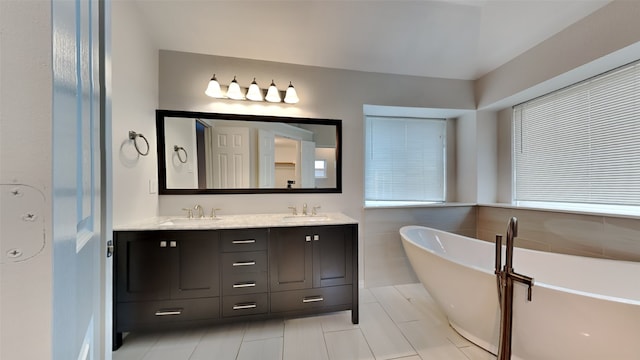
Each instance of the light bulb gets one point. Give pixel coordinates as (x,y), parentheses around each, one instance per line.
(273,95)
(254,93)
(213,89)
(234,92)
(291,96)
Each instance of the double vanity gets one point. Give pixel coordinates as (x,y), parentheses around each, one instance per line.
(171,272)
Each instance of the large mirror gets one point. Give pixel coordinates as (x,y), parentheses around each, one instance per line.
(210,153)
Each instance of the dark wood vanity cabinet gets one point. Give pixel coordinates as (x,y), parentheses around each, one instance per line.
(313,268)
(178,277)
(164,278)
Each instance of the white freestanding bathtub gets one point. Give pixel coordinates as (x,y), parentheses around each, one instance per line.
(582,308)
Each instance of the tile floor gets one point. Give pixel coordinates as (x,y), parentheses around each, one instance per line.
(396,322)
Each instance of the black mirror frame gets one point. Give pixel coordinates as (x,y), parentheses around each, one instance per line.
(162,171)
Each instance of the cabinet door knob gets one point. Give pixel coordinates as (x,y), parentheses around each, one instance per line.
(307,238)
(316,237)
(163,244)
(173,244)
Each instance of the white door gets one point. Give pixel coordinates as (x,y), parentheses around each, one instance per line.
(307,161)
(78,309)
(266,159)
(231,157)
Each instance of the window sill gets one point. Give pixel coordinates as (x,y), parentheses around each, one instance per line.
(632,212)
(411,204)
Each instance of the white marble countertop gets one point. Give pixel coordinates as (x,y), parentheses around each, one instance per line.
(236,222)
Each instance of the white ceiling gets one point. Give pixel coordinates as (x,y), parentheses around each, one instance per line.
(457,39)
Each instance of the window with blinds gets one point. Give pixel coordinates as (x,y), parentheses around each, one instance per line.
(404,159)
(581,144)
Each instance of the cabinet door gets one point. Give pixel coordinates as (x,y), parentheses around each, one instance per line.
(332,255)
(196,264)
(290,259)
(142,266)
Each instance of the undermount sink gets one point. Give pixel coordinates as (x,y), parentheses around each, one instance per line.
(186,221)
(305,218)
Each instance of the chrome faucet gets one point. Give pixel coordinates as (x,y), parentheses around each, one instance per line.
(304,209)
(200,211)
(505,278)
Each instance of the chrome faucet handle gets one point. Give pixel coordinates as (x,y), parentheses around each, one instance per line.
(304,209)
(213,212)
(200,210)
(294,210)
(314,210)
(189,213)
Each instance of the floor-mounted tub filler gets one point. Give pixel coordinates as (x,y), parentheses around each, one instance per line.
(582,308)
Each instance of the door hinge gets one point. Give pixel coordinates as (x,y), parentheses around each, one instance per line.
(109,248)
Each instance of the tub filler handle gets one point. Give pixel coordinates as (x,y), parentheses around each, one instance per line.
(505,276)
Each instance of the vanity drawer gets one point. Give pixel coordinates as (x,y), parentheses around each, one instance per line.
(244,239)
(239,284)
(245,305)
(310,298)
(244,262)
(149,313)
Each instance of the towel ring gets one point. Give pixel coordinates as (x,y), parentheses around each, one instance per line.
(132,136)
(177,149)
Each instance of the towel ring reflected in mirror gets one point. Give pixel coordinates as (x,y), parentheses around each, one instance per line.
(177,149)
(132,136)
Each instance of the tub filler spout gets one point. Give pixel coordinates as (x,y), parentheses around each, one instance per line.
(505,278)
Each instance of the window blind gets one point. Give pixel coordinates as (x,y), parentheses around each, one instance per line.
(581,144)
(404,159)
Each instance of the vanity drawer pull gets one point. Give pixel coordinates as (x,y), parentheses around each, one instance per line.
(168,312)
(250,241)
(244,285)
(244,263)
(245,306)
(312,299)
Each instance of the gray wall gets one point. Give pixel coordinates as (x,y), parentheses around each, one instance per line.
(324,93)
(134,101)
(25,158)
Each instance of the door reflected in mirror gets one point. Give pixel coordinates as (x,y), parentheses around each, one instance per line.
(228,153)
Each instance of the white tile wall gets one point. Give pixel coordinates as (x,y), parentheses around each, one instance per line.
(384,259)
(575,234)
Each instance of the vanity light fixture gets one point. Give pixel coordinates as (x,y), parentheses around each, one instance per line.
(291,97)
(213,89)
(254,93)
(235,92)
(273,94)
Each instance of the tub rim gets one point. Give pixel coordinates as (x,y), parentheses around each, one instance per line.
(403,234)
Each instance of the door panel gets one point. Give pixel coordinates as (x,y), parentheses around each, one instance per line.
(307,161)
(231,157)
(290,257)
(267,159)
(197,266)
(332,255)
(77,313)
